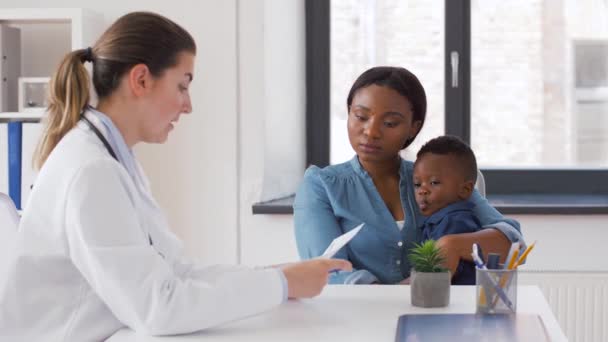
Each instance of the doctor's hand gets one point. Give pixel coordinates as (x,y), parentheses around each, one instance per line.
(306,279)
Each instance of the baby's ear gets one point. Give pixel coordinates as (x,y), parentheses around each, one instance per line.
(466,189)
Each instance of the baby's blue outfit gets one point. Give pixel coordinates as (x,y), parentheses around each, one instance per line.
(333,200)
(456,218)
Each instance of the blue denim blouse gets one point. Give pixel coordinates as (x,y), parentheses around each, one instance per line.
(333,200)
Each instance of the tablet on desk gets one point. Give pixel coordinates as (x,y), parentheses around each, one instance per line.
(470,327)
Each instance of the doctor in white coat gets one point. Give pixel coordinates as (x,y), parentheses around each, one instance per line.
(94,252)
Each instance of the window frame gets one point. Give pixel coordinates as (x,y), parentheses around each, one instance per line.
(318,94)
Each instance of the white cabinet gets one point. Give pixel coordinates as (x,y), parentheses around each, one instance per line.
(35,40)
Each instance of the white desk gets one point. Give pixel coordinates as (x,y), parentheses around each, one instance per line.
(349,313)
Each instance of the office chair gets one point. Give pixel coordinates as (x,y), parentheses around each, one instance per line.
(9,216)
(480,185)
(9,223)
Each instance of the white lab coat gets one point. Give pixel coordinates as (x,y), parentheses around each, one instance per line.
(84,266)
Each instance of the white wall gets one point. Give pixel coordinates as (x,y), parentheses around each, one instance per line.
(272,125)
(567,242)
(248,123)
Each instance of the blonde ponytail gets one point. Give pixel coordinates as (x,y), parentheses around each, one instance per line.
(69,94)
(135,38)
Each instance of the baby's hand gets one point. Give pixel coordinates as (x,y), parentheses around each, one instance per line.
(453,249)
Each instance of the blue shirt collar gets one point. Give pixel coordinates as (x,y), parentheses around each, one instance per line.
(457,206)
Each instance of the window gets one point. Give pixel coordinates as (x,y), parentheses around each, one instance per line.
(530,72)
(524,82)
(590,102)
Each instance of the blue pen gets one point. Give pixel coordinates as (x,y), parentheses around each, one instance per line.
(498,289)
(477,249)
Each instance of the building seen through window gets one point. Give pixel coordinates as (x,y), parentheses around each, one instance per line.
(539,75)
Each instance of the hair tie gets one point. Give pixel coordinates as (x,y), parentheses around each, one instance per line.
(88,55)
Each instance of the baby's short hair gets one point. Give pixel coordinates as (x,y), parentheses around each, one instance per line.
(452,145)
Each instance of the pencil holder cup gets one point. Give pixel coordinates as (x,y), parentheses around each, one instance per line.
(496,291)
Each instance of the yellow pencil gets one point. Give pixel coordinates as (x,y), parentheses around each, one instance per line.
(512,262)
(524,254)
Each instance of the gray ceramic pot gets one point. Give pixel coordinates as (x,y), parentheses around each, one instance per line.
(430,290)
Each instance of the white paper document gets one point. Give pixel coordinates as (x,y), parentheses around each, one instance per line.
(340,242)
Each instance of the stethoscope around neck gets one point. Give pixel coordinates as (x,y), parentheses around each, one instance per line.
(111,151)
(100,136)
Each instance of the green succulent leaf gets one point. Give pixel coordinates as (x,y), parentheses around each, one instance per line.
(427,257)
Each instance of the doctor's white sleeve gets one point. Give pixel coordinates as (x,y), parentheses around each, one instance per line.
(140,287)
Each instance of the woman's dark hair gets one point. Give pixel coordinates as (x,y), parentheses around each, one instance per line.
(135,38)
(400,80)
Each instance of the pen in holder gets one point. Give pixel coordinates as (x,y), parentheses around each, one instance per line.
(492,298)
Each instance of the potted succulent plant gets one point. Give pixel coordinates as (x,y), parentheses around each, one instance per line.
(429,280)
